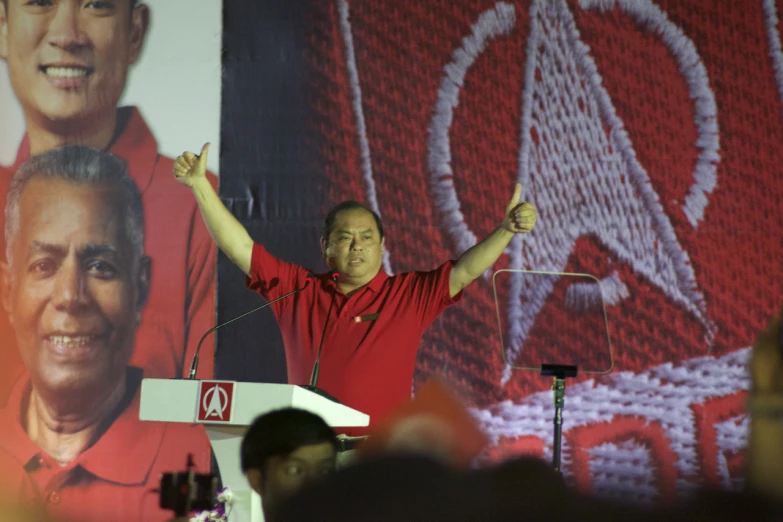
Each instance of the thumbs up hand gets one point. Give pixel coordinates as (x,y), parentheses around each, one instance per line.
(190,168)
(520,215)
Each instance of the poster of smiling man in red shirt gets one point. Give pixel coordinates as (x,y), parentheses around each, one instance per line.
(75,285)
(68,62)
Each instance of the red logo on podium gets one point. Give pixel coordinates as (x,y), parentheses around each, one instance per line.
(215,401)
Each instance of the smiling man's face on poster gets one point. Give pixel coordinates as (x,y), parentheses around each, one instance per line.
(68,60)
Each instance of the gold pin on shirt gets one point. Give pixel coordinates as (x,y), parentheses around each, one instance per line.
(365,318)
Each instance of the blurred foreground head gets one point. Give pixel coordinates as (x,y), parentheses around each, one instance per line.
(435,423)
(764,465)
(285,449)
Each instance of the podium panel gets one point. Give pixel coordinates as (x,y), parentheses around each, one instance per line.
(226,409)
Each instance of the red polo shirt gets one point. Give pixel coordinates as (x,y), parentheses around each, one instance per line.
(114,478)
(367,365)
(16,487)
(181,304)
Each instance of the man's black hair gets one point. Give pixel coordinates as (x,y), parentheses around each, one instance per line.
(83,166)
(347,205)
(280,433)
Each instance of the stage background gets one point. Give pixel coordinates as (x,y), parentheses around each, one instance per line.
(647,134)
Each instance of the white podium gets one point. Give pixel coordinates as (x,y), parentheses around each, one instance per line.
(226,409)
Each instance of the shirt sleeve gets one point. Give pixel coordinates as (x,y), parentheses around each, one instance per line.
(272,277)
(431,293)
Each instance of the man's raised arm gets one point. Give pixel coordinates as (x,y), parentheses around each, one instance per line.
(229,234)
(520,218)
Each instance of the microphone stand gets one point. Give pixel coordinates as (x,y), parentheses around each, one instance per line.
(313,386)
(559,372)
(194,364)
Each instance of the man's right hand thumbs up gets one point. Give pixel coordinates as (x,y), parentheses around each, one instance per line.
(189,168)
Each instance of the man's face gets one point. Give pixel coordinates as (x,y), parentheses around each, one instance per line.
(74,291)
(68,59)
(354,247)
(285,475)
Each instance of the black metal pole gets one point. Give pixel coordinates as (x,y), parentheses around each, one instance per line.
(559,372)
(559,388)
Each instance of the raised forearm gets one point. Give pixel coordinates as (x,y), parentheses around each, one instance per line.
(227,232)
(520,217)
(479,258)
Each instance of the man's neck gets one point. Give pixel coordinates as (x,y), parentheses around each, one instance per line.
(349,286)
(52,135)
(65,429)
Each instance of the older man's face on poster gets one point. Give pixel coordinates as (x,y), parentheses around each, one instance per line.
(75,287)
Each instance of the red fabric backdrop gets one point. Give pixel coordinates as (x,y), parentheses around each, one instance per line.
(380,66)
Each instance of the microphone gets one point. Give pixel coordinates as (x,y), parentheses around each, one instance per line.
(194,364)
(313,386)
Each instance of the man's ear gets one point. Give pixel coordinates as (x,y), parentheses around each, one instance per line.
(5,289)
(140,22)
(323,247)
(3,31)
(143,285)
(256,480)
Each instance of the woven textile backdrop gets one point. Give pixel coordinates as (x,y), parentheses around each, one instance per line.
(646,133)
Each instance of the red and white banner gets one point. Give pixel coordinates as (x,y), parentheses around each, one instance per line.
(646,133)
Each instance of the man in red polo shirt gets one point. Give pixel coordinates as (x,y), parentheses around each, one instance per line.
(68,63)
(75,285)
(376,324)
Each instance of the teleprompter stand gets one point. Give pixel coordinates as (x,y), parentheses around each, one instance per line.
(560,372)
(574,329)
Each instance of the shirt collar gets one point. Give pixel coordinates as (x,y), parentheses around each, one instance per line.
(124,454)
(135,145)
(375,284)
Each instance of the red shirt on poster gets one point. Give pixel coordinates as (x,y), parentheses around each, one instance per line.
(181,304)
(369,349)
(114,478)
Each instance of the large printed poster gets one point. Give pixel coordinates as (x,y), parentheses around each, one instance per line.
(108,272)
(646,133)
